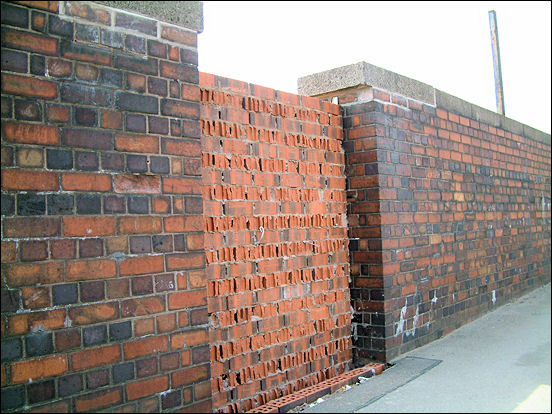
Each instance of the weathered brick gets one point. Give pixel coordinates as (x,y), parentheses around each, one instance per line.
(15,16)
(60,27)
(28,110)
(85,315)
(30,87)
(85,53)
(179,71)
(31,227)
(88,12)
(87,33)
(135,123)
(134,63)
(178,35)
(138,103)
(41,44)
(14,61)
(31,133)
(91,269)
(181,109)
(135,44)
(85,95)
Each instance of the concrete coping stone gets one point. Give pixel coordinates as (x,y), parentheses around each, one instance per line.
(187,14)
(364,75)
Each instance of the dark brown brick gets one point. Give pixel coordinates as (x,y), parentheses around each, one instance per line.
(133,22)
(138,103)
(87,138)
(136,64)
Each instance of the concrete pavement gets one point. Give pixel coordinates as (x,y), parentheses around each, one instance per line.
(497,363)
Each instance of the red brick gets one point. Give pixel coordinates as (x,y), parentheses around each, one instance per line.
(84,315)
(88,226)
(35,297)
(33,273)
(139,225)
(189,338)
(142,306)
(137,143)
(187,299)
(147,387)
(173,185)
(189,376)
(179,261)
(28,322)
(177,35)
(29,180)
(179,224)
(136,184)
(147,346)
(30,87)
(86,182)
(95,357)
(30,226)
(51,6)
(29,41)
(91,269)
(87,12)
(31,133)
(141,265)
(37,369)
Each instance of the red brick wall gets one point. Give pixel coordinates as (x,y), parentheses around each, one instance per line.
(452,216)
(279,306)
(104,301)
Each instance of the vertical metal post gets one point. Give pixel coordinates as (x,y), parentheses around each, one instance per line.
(499,91)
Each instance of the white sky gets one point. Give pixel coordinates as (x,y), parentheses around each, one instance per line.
(444,44)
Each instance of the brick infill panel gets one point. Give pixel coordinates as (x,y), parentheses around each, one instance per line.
(312,393)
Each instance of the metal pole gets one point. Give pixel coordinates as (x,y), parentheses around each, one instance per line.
(499,91)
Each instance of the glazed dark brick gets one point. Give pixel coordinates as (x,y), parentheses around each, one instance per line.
(111,38)
(33,250)
(86,161)
(198,316)
(190,129)
(8,204)
(164,282)
(135,44)
(68,339)
(85,95)
(157,49)
(92,291)
(140,24)
(87,138)
(94,335)
(157,125)
(60,27)
(179,242)
(31,204)
(11,348)
(28,110)
(146,367)
(157,86)
(60,204)
(135,123)
(69,385)
(200,354)
(86,116)
(14,61)
(13,397)
(112,161)
(188,56)
(120,330)
(137,163)
(138,204)
(39,344)
(65,294)
(87,33)
(6,113)
(110,77)
(159,165)
(162,243)
(14,16)
(135,63)
(41,391)
(194,205)
(89,204)
(38,65)
(96,379)
(142,285)
(140,244)
(123,372)
(10,300)
(171,400)
(59,159)
(127,101)
(90,247)
(114,204)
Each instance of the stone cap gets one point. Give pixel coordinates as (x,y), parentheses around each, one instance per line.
(364,74)
(334,81)
(187,14)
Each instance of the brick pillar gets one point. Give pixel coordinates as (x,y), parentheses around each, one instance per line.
(103,292)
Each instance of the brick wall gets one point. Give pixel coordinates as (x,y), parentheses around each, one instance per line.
(104,301)
(452,216)
(275,241)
